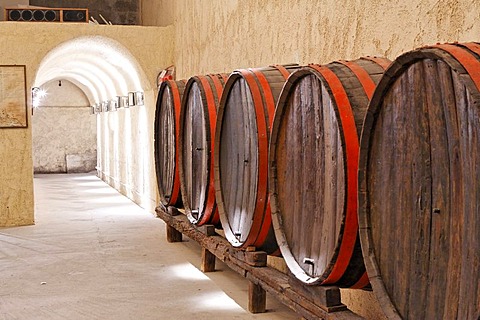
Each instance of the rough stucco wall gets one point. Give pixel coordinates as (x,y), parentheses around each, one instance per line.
(28,43)
(225,35)
(157,13)
(222,35)
(63,125)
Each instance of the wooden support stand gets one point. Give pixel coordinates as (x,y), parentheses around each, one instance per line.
(208,258)
(173,235)
(257,298)
(309,302)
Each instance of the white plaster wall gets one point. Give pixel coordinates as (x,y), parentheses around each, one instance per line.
(62,125)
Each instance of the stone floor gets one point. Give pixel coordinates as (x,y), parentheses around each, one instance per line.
(93,254)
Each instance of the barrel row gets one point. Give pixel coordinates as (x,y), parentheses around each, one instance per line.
(314,109)
(353,158)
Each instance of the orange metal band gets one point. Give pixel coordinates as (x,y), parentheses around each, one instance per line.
(466,59)
(177,107)
(382,62)
(363,76)
(212,117)
(218,86)
(362,282)
(266,224)
(352,154)
(262,156)
(267,93)
(270,106)
(285,73)
(473,46)
(215,217)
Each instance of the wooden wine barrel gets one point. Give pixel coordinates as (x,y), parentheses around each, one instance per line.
(197,133)
(241,155)
(419,176)
(167,130)
(313,170)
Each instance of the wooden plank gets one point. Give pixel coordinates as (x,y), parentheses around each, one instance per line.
(451,102)
(295,171)
(439,228)
(331,183)
(256,258)
(468,114)
(322,156)
(404,182)
(305,238)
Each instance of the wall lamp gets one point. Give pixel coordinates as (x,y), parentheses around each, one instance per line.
(37,95)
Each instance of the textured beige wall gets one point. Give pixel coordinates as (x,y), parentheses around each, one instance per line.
(28,43)
(157,13)
(221,35)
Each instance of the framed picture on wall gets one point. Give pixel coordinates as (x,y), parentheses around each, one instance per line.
(13,96)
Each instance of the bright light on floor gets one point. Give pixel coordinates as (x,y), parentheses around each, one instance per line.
(216,300)
(188,272)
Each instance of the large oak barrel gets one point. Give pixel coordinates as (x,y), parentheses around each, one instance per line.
(419,197)
(167,130)
(241,155)
(197,133)
(313,170)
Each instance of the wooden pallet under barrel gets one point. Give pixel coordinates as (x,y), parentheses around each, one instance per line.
(309,302)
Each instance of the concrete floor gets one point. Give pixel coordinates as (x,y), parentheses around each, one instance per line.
(93,254)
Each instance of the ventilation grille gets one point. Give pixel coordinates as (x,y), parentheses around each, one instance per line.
(46,15)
